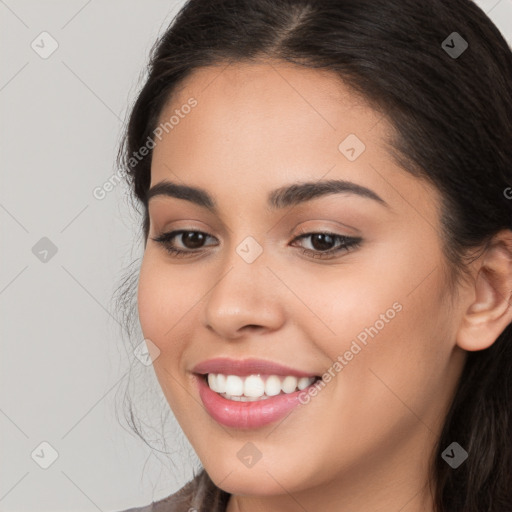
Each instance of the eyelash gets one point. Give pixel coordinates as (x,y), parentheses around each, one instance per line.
(347,244)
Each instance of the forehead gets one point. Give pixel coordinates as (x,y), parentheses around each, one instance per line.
(272,94)
(255,127)
(247,112)
(270,80)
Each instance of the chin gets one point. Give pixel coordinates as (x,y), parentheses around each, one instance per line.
(247,482)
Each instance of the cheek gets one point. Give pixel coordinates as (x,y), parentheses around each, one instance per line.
(403,366)
(162,307)
(151,299)
(164,301)
(353,302)
(389,318)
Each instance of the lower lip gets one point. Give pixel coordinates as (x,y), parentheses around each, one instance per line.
(246,414)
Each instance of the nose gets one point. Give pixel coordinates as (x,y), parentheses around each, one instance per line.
(246,297)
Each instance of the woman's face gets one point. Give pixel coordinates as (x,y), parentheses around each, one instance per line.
(373,318)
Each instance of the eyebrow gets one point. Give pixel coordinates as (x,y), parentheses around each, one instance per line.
(289,195)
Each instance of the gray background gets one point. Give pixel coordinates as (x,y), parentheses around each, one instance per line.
(64,362)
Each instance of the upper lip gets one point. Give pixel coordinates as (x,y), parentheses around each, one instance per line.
(244,367)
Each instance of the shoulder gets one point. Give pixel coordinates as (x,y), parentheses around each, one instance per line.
(177,502)
(192,497)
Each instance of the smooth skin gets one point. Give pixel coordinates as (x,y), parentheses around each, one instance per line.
(365,441)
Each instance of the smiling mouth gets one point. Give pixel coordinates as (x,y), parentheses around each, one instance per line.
(255,387)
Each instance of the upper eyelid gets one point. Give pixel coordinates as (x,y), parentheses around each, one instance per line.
(154,221)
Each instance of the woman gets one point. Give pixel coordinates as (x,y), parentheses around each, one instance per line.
(327,271)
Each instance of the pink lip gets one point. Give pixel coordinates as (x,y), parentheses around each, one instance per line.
(247,367)
(246,415)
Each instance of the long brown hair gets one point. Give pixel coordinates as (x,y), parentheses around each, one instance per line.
(453,119)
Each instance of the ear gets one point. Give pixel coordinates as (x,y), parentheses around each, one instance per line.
(490,310)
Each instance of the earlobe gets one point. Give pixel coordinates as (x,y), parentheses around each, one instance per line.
(490,310)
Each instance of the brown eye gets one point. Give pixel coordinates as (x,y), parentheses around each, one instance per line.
(322,244)
(192,239)
(191,242)
(322,241)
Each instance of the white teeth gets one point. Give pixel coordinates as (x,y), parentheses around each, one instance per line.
(212,382)
(245,398)
(273,386)
(255,387)
(303,383)
(221,382)
(289,384)
(234,386)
